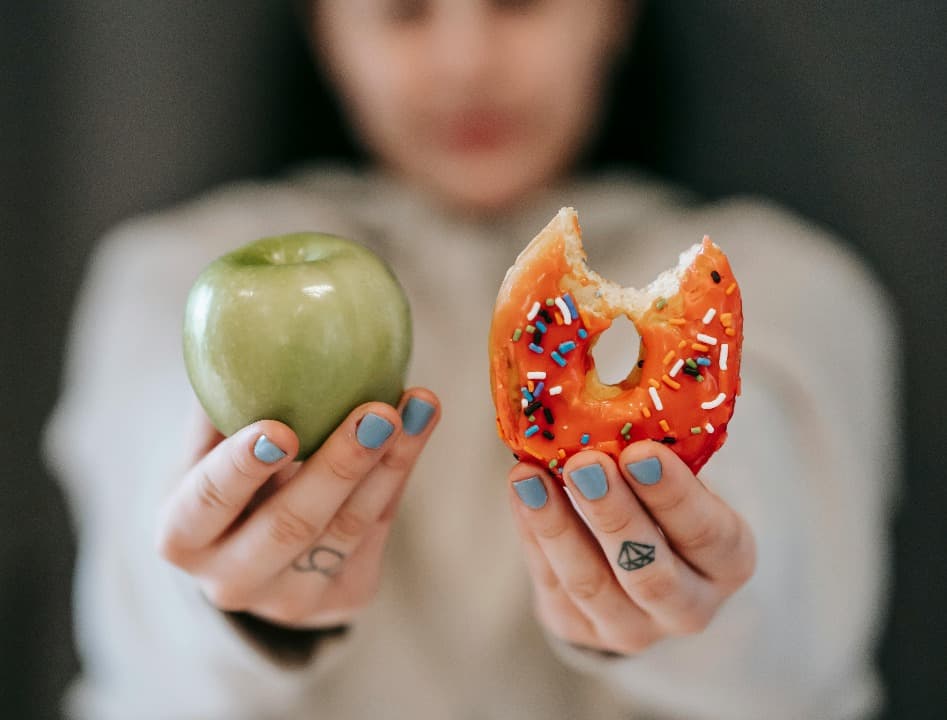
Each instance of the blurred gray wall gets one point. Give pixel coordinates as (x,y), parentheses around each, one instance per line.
(110,108)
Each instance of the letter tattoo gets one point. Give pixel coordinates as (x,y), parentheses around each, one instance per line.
(320,559)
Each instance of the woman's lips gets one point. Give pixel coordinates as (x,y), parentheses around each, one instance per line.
(479,131)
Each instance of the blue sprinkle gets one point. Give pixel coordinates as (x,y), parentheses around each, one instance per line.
(539,389)
(584,439)
(558,358)
(527,394)
(703,361)
(531,430)
(582,334)
(541,326)
(567,299)
(566,347)
(535,348)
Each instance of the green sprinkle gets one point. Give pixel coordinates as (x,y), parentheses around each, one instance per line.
(532,418)
(695,430)
(691,364)
(660,303)
(530,329)
(550,302)
(553,463)
(699,378)
(517,334)
(625,428)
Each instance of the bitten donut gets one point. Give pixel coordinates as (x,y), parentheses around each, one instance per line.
(550,310)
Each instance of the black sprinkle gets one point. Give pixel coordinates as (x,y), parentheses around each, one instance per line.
(546,316)
(548,435)
(668,440)
(691,371)
(641,363)
(538,338)
(548,414)
(532,407)
(516,457)
(715,275)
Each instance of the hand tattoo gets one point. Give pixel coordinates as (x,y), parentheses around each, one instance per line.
(635,555)
(320,559)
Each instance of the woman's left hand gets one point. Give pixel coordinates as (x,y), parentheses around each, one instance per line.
(662,555)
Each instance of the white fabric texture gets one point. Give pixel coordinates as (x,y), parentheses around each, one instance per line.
(811,463)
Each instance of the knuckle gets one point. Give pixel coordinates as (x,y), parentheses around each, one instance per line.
(290,529)
(742,563)
(613,521)
(242,466)
(586,587)
(553,530)
(633,640)
(348,526)
(209,494)
(670,504)
(705,535)
(225,596)
(170,548)
(692,623)
(400,462)
(344,469)
(656,587)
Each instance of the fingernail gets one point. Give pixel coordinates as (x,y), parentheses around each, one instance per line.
(416,415)
(373,430)
(647,471)
(590,480)
(531,491)
(266,451)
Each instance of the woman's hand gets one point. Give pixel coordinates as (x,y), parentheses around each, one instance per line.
(297,544)
(662,554)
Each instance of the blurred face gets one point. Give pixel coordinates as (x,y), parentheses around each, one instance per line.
(480,102)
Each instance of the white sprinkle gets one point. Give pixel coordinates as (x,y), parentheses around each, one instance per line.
(724,352)
(655,398)
(540,375)
(533,311)
(709,315)
(564,309)
(706,339)
(676,368)
(523,402)
(555,389)
(711,404)
(709,428)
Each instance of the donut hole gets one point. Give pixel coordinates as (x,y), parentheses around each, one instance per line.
(616,353)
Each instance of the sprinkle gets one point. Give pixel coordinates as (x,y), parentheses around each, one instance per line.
(531,315)
(548,435)
(660,303)
(709,315)
(699,378)
(553,463)
(555,389)
(531,418)
(517,334)
(558,318)
(561,453)
(532,407)
(550,302)
(524,402)
(653,383)
(566,347)
(567,299)
(531,430)
(695,430)
(559,360)
(673,384)
(707,339)
(582,334)
(730,331)
(664,425)
(541,326)
(530,329)
(625,428)
(527,394)
(724,354)
(564,309)
(715,276)
(646,412)
(677,321)
(676,368)
(536,375)
(535,348)
(692,371)
(682,344)
(709,428)
(539,389)
(705,361)
(668,357)
(691,364)
(668,440)
(730,288)
(640,363)
(656,399)
(547,413)
(584,440)
(716,402)
(544,314)
(726,319)
(699,348)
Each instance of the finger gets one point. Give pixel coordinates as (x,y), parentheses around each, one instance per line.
(216,490)
(578,562)
(702,528)
(293,518)
(645,566)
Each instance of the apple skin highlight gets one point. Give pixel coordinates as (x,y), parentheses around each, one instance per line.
(298,328)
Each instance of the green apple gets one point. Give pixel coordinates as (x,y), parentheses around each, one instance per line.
(299,328)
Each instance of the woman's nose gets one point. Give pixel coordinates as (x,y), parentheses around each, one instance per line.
(462,51)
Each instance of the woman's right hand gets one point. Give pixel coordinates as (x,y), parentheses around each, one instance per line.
(297,544)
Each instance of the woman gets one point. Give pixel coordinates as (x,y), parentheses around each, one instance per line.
(340,589)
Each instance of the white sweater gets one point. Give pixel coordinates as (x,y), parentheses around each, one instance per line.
(811,462)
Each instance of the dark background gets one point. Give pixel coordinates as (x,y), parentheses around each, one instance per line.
(109,108)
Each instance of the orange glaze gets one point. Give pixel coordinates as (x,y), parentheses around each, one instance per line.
(585,405)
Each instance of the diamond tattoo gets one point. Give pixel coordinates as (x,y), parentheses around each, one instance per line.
(634,555)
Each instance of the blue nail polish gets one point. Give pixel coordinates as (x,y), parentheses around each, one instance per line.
(265,451)
(416,415)
(647,471)
(590,480)
(531,491)
(373,430)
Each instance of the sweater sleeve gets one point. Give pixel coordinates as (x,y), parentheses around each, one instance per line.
(811,463)
(150,645)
